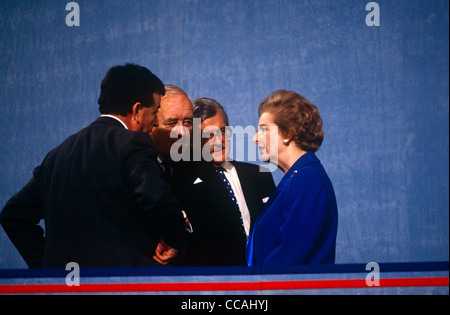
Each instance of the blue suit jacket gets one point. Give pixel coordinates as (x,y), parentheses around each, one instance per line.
(298,225)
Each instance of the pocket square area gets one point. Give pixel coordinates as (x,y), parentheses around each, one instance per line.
(197,181)
(264,200)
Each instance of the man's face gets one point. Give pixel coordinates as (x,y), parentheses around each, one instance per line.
(174,116)
(217,140)
(145,117)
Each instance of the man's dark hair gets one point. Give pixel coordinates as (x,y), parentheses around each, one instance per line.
(205,108)
(124,86)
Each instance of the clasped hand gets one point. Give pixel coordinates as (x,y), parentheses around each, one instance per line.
(164,254)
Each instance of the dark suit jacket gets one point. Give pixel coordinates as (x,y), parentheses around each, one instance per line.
(103,201)
(218,238)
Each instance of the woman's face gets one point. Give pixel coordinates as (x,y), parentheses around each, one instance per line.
(268,139)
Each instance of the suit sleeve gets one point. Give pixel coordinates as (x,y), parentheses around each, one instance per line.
(20,219)
(305,221)
(154,197)
(269,183)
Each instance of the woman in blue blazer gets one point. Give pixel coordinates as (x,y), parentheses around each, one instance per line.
(298,224)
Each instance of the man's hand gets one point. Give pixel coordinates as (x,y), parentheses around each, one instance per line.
(164,253)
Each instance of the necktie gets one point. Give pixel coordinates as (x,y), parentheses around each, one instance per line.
(165,167)
(220,172)
(160,164)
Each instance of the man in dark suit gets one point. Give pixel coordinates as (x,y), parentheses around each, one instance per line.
(222,198)
(100,192)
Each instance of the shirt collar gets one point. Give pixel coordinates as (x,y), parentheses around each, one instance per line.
(227,166)
(114,117)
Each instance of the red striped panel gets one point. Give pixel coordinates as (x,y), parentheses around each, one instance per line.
(221,286)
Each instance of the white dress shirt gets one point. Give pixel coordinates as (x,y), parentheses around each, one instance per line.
(232,176)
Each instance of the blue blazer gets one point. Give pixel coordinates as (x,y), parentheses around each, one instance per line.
(298,224)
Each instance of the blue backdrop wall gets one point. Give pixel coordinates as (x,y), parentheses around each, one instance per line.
(383,93)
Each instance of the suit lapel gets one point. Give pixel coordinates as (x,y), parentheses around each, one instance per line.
(252,198)
(214,184)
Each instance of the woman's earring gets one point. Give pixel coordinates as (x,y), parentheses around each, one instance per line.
(286,142)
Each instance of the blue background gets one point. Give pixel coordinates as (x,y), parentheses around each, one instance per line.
(383,93)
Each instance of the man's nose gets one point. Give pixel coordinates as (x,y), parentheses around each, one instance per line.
(218,140)
(180,131)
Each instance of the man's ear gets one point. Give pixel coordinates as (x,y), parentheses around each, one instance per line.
(136,114)
(135,117)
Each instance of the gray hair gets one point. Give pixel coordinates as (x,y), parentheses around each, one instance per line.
(205,108)
(172,90)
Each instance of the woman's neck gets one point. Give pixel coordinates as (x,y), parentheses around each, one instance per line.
(287,158)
